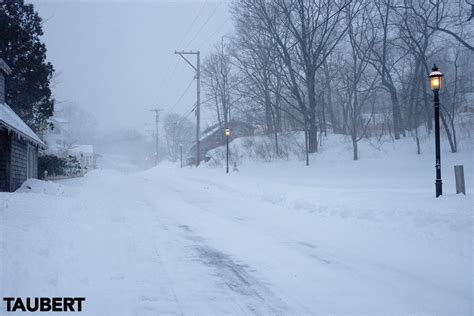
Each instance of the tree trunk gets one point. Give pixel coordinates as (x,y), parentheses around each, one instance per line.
(323,114)
(313,129)
(448,132)
(268,115)
(455,140)
(332,117)
(278,120)
(312,132)
(306,141)
(354,147)
(429,113)
(411,98)
(395,112)
(275,134)
(418,148)
(277,112)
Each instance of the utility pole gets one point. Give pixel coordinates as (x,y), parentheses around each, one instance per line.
(157,120)
(196,68)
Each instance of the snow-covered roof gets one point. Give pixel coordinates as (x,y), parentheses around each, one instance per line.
(13,122)
(209,131)
(84,149)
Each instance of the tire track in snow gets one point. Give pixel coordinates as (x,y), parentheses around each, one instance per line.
(257,297)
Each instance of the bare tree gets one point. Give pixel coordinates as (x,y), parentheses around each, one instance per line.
(261,86)
(359,82)
(450,20)
(305,33)
(385,56)
(219,83)
(179,131)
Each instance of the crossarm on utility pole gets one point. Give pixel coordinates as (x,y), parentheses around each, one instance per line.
(186,60)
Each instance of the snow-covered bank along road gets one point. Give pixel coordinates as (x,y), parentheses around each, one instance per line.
(171,241)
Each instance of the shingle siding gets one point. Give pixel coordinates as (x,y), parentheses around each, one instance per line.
(18,163)
(4,161)
(14,166)
(2,88)
(34,173)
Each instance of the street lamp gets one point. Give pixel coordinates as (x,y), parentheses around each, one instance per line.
(435,78)
(181,154)
(227,135)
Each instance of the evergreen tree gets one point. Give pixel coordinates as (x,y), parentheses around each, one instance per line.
(28,87)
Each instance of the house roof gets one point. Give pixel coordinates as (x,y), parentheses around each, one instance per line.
(13,122)
(216,128)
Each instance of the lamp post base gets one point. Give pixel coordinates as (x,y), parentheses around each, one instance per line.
(439,188)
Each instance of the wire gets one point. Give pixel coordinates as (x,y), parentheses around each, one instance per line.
(192,23)
(181,97)
(167,75)
(192,110)
(214,33)
(205,23)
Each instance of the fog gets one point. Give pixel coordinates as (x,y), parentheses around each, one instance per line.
(116,60)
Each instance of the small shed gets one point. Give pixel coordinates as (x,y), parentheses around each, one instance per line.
(18,143)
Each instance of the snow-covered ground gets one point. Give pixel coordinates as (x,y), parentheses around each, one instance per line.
(339,236)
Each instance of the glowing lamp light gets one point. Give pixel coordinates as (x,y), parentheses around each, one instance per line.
(435,77)
(227,132)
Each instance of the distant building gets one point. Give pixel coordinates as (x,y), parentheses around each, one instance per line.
(18,143)
(85,155)
(56,136)
(60,143)
(213,137)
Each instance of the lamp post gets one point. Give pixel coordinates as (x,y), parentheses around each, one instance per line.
(227,135)
(435,78)
(181,154)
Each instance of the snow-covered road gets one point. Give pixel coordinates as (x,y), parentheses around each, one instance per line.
(171,241)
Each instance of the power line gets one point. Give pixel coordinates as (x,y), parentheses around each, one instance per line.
(214,33)
(192,110)
(192,23)
(205,23)
(181,97)
(167,75)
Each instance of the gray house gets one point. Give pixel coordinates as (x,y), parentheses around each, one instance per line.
(213,137)
(18,143)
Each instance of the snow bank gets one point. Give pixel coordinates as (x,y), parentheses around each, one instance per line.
(43,187)
(338,148)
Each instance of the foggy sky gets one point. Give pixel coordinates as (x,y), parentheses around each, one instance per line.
(116,59)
